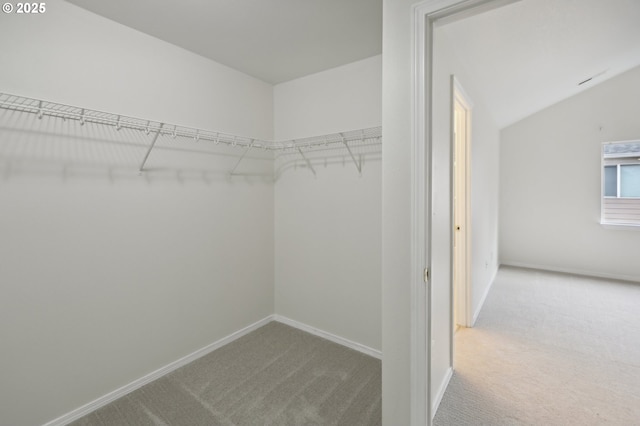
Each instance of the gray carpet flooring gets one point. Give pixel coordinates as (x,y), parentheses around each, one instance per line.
(276,375)
(548,349)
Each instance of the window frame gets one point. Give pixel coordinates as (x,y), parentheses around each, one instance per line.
(604,180)
(618,167)
(622,160)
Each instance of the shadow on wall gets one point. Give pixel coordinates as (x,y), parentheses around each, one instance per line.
(33,147)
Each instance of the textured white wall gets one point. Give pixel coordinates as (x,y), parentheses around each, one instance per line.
(107,275)
(328,228)
(551,179)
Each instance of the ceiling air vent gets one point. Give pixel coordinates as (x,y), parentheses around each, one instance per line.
(592,77)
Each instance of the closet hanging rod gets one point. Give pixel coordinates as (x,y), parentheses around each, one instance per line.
(43,108)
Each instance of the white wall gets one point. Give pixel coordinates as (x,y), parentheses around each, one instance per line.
(107,275)
(484,166)
(485,142)
(328,227)
(396,279)
(396,214)
(340,99)
(550,183)
(72,56)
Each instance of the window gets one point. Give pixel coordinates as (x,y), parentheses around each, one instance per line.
(629,177)
(621,183)
(610,181)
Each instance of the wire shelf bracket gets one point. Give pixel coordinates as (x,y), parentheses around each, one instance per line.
(308,162)
(153,142)
(246,151)
(357,163)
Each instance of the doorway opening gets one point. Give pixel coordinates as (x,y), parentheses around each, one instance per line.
(424,399)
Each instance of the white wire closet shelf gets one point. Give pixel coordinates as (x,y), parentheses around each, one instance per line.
(156,129)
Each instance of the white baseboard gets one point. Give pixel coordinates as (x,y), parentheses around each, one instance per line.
(573,271)
(484,297)
(441,390)
(326,335)
(136,384)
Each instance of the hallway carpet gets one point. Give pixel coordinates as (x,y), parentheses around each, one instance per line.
(276,375)
(548,349)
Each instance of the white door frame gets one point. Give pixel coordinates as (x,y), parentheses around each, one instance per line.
(424,14)
(463,304)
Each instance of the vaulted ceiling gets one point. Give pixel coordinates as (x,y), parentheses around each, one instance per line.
(524,56)
(530,54)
